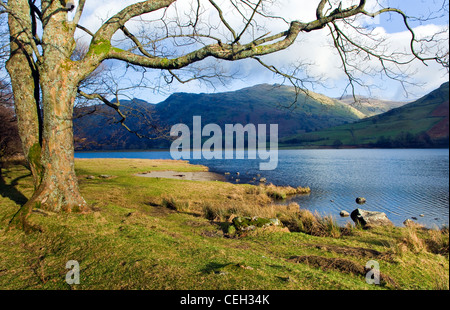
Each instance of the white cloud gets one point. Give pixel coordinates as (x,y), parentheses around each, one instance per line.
(314,48)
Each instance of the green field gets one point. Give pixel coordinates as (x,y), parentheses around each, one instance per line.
(135,239)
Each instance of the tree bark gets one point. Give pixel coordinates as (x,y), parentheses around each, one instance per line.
(59,189)
(25,86)
(58,78)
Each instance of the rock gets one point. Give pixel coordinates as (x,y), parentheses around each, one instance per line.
(227,173)
(105,176)
(344,213)
(237,173)
(414,218)
(275,222)
(408,222)
(370,218)
(231,218)
(245,223)
(263,180)
(360,200)
(422,215)
(90,177)
(231,230)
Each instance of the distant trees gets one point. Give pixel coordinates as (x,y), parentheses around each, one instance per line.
(9,135)
(408,140)
(337,143)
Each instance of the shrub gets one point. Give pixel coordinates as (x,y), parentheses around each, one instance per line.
(315,224)
(216,213)
(418,239)
(438,241)
(170,203)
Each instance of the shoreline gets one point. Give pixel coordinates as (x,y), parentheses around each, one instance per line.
(201,172)
(161,234)
(190,176)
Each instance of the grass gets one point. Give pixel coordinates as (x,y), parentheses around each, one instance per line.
(150,233)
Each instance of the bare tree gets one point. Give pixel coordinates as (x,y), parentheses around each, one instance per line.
(10,145)
(5,91)
(171,39)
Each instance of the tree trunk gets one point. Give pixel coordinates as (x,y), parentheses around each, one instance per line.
(59,189)
(57,79)
(25,87)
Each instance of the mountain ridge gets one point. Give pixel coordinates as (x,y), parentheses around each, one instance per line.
(258,104)
(421,123)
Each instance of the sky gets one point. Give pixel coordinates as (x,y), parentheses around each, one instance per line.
(314,49)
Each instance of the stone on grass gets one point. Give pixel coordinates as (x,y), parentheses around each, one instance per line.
(245,223)
(370,218)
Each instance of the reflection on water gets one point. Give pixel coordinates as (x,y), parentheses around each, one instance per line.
(403,183)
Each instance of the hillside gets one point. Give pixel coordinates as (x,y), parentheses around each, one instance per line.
(261,104)
(371,106)
(422,123)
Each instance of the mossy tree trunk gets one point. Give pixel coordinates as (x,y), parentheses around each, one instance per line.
(58,190)
(59,81)
(25,85)
(49,148)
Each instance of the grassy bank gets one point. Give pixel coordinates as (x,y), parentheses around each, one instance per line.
(154,233)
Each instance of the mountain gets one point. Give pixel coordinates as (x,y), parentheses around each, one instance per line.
(98,127)
(422,123)
(260,104)
(371,106)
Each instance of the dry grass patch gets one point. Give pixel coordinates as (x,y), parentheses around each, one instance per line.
(314,224)
(282,192)
(417,239)
(224,212)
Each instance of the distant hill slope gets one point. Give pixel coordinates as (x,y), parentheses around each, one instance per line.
(371,106)
(261,104)
(422,123)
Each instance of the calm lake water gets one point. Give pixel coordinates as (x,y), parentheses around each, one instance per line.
(403,183)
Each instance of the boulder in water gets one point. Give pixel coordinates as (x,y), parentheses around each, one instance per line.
(360,200)
(344,213)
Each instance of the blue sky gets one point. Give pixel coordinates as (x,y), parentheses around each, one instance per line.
(312,48)
(417,8)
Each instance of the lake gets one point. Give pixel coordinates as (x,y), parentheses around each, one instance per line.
(403,183)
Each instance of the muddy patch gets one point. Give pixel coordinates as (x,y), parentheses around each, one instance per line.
(191,176)
(350,251)
(339,264)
